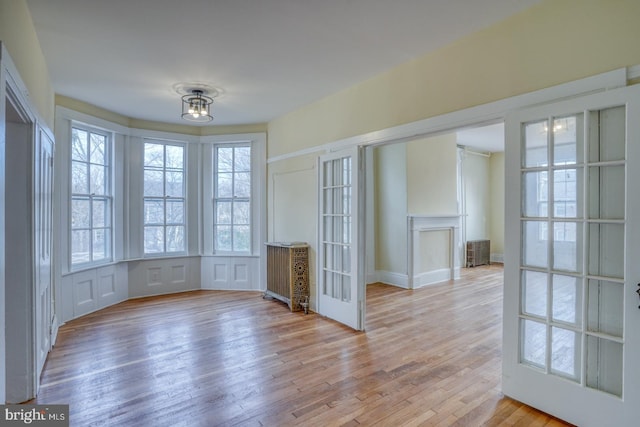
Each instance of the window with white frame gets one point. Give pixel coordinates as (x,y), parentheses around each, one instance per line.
(232,198)
(91,196)
(164,197)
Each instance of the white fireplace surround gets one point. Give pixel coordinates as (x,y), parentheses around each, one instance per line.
(417,224)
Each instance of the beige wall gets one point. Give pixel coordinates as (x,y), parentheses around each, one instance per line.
(496,183)
(418,178)
(390,181)
(477,191)
(555,42)
(18,35)
(431,176)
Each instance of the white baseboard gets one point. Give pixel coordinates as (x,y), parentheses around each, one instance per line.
(435,276)
(499,258)
(390,278)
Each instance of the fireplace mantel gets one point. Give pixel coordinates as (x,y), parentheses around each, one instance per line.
(427,223)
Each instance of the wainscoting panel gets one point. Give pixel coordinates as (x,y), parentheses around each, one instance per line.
(231,273)
(84,293)
(94,289)
(163,276)
(113,286)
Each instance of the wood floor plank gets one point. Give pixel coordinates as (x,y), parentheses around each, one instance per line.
(430,357)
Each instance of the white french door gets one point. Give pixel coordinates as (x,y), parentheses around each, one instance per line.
(571,343)
(340,285)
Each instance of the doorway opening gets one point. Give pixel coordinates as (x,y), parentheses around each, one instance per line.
(18,249)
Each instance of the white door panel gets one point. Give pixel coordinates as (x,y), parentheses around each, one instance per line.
(571,264)
(340,290)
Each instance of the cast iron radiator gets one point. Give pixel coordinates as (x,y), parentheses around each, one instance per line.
(288,273)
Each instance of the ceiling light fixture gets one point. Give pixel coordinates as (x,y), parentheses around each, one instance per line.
(196,106)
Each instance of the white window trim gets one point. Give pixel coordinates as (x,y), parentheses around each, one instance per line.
(258,192)
(110,195)
(186,198)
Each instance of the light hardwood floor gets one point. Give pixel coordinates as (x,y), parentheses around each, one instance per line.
(206,358)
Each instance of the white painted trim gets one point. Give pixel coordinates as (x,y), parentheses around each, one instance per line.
(633,72)
(235,138)
(433,277)
(489,113)
(391,278)
(164,136)
(72,115)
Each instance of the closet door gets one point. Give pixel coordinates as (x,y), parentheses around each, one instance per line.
(573,258)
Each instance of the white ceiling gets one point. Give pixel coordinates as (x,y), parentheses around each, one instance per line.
(268,57)
(484,138)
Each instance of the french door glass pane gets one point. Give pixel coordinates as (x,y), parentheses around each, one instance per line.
(536,144)
(534,293)
(567,246)
(336,197)
(535,244)
(607,134)
(606,192)
(567,140)
(565,353)
(606,250)
(346,288)
(535,197)
(328,228)
(567,299)
(605,307)
(567,193)
(534,343)
(604,365)
(573,203)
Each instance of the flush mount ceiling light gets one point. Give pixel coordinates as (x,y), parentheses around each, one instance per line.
(196,106)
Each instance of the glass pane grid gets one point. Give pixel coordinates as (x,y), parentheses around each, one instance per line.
(232,198)
(163,196)
(90,215)
(572,277)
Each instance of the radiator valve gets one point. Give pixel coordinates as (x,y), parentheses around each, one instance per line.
(304,303)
